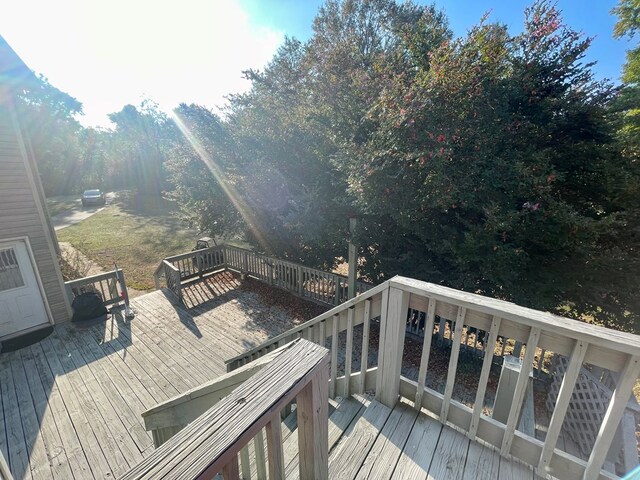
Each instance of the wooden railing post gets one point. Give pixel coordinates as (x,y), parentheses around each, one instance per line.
(300,281)
(313,428)
(245,263)
(395,304)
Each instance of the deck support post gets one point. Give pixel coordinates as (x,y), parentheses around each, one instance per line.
(353,258)
(313,427)
(395,304)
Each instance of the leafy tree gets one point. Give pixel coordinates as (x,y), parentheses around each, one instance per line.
(138,147)
(490,163)
(495,170)
(48,117)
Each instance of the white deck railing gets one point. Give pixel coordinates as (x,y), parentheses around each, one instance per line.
(317,285)
(217,441)
(533,332)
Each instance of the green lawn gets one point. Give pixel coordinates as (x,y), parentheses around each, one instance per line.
(62,203)
(137,232)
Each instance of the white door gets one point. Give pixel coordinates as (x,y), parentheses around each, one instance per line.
(21,303)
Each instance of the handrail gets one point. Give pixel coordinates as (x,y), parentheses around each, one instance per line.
(103,283)
(211,444)
(169,417)
(172,277)
(501,327)
(265,347)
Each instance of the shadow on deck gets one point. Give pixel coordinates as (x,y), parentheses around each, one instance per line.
(71,405)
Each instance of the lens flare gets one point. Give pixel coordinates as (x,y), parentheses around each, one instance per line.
(238,202)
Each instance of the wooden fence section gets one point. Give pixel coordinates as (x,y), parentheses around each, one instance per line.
(215,441)
(325,287)
(531,332)
(106,284)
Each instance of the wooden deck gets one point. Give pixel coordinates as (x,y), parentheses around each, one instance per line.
(368,440)
(71,404)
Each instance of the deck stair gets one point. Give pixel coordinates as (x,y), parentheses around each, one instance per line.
(370,440)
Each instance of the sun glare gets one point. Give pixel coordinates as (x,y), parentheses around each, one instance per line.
(233,195)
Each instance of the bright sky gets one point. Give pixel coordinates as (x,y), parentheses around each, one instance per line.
(108,53)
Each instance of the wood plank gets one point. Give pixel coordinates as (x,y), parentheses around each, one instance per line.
(348,351)
(611,420)
(274,449)
(70,443)
(261,458)
(18,457)
(173,354)
(55,452)
(334,355)
(489,348)
(426,349)
(145,371)
(81,423)
(313,440)
(450,455)
(453,364)
(364,354)
(126,405)
(38,460)
(350,453)
(483,463)
(512,469)
(562,403)
(347,411)
(392,332)
(206,444)
(72,387)
(98,401)
(385,453)
(183,339)
(520,391)
(420,448)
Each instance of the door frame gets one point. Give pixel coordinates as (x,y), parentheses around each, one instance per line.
(34,266)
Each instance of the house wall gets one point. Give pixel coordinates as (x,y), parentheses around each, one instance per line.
(23,213)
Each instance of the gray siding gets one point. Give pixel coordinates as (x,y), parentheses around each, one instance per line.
(20,215)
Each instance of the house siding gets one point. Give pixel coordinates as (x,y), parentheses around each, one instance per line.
(22,213)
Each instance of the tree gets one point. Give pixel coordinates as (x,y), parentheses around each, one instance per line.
(139,145)
(48,117)
(490,163)
(495,170)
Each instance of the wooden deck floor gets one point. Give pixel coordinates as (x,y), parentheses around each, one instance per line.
(70,405)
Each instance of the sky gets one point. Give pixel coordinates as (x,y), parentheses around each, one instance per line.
(109,53)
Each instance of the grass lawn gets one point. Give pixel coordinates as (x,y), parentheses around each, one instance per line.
(62,203)
(137,232)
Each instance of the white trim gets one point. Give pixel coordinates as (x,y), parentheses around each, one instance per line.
(32,259)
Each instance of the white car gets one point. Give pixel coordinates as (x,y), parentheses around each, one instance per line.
(93,197)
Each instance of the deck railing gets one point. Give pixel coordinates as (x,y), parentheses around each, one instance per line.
(168,418)
(530,334)
(325,287)
(317,285)
(216,441)
(106,284)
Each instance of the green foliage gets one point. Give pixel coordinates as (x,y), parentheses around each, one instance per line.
(48,118)
(137,147)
